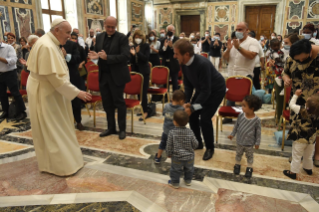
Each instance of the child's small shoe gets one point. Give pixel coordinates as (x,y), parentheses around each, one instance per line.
(249,172)
(282,93)
(157,160)
(171,184)
(309,171)
(237,169)
(289,174)
(278,81)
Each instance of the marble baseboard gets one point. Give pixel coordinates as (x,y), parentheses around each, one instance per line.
(137,200)
(17,156)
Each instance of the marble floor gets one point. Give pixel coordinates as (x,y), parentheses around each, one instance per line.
(120,175)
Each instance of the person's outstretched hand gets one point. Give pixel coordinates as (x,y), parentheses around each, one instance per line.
(84,96)
(230,137)
(229,44)
(93,55)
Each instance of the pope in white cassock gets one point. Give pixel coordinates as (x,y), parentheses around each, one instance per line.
(50,93)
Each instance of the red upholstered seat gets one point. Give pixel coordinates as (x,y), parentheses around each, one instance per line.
(157,91)
(180,82)
(286,114)
(93,81)
(95,99)
(130,103)
(23,92)
(204,54)
(228,111)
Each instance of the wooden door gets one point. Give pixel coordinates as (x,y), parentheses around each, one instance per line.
(261,19)
(189,24)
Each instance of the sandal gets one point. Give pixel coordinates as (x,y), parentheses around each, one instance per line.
(289,174)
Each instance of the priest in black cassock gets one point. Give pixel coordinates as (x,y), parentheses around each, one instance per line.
(210,88)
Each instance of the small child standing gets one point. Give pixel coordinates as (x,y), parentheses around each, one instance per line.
(303,132)
(168,112)
(248,129)
(181,144)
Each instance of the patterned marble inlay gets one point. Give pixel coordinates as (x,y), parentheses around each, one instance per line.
(222,13)
(97,206)
(6,147)
(313,9)
(296,9)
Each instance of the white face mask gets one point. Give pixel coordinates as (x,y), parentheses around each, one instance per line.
(273,37)
(192,36)
(152,38)
(206,35)
(181,37)
(138,40)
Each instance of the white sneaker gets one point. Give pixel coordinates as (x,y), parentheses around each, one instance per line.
(278,81)
(282,93)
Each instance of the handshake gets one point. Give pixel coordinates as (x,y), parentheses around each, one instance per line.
(187,107)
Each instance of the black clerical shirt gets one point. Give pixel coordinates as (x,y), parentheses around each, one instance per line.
(106,47)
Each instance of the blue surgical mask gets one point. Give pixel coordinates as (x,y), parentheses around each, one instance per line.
(286,47)
(314,34)
(152,38)
(307,36)
(98,33)
(162,35)
(5,37)
(239,35)
(262,38)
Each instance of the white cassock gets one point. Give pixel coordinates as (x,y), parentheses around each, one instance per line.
(49,95)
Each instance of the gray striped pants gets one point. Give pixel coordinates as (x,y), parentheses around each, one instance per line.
(249,154)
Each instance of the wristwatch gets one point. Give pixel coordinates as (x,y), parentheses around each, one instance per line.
(239,48)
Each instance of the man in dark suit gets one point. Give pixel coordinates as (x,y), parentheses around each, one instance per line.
(209,85)
(167,53)
(73,59)
(112,51)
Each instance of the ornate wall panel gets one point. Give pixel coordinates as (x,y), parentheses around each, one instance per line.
(165,16)
(294,26)
(222,13)
(94,7)
(313,9)
(95,23)
(18,17)
(137,12)
(296,9)
(222,29)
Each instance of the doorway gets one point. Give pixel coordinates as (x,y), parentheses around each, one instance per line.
(189,24)
(261,19)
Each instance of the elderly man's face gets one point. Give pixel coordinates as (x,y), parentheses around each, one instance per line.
(63,33)
(33,42)
(98,30)
(91,32)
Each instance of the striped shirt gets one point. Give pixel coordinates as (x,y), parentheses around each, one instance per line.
(181,143)
(248,131)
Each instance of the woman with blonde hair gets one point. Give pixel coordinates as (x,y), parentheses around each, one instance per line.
(140,54)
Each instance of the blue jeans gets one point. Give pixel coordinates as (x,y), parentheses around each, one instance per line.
(177,169)
(162,145)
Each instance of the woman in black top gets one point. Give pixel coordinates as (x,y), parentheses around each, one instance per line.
(140,54)
(154,49)
(74,38)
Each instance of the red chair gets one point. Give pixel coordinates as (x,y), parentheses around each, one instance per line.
(238,88)
(92,67)
(159,76)
(151,65)
(134,87)
(285,114)
(93,85)
(204,54)
(129,68)
(24,79)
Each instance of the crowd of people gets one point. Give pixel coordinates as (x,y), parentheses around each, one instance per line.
(292,61)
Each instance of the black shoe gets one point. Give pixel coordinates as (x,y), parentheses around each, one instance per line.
(4,115)
(107,133)
(208,154)
(80,127)
(139,114)
(289,174)
(122,135)
(200,146)
(249,172)
(309,171)
(21,116)
(237,169)
(227,121)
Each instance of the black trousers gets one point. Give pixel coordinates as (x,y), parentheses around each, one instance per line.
(10,80)
(256,81)
(145,88)
(112,98)
(76,107)
(154,59)
(205,122)
(173,75)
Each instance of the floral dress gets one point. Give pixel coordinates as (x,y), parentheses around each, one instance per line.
(306,78)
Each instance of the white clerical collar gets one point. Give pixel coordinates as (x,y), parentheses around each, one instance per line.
(190,61)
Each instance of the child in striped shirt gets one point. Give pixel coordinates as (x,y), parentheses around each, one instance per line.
(248,129)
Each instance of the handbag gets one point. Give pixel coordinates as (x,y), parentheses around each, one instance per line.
(83,71)
(151,109)
(13,110)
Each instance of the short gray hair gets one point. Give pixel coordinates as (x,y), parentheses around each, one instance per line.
(40,32)
(171,25)
(31,37)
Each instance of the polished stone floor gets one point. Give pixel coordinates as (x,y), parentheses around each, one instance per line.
(120,175)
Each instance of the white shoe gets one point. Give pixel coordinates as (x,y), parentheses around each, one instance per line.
(278,81)
(282,93)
